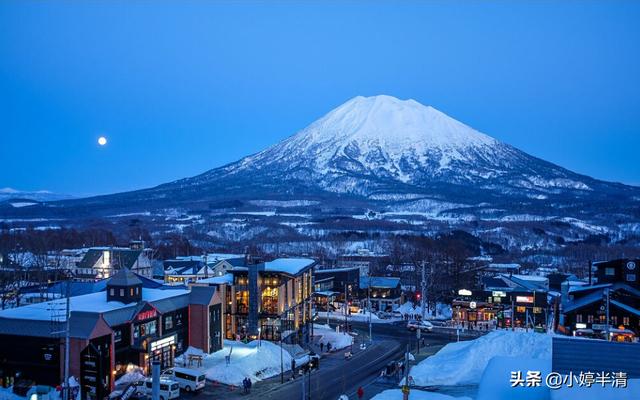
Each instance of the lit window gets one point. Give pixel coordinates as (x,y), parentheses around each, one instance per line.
(625,320)
(590,319)
(121,292)
(631,277)
(106,257)
(578,317)
(610,271)
(112,291)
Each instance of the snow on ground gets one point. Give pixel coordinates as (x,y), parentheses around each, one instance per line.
(360,317)
(396,394)
(442,311)
(463,363)
(251,360)
(133,374)
(496,379)
(338,340)
(7,394)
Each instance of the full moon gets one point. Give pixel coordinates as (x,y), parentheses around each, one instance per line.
(102,140)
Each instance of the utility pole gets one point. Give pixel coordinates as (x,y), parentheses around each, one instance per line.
(369,307)
(346,305)
(67,341)
(206,267)
(513,314)
(422,290)
(606,291)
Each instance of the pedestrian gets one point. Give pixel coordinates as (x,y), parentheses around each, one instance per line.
(360,392)
(245,386)
(321,347)
(329,347)
(249,384)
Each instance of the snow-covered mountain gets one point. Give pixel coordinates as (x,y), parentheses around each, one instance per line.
(40,195)
(376,159)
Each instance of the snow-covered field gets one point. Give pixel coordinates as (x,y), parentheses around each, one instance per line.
(338,340)
(251,360)
(463,363)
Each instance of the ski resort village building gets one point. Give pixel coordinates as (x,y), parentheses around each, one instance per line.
(271,300)
(122,324)
(188,269)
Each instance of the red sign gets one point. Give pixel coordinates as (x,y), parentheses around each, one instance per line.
(144,315)
(524,299)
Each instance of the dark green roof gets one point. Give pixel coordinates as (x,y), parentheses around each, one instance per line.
(124,277)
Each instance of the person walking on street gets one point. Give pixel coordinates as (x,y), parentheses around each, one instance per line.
(321,347)
(249,384)
(360,392)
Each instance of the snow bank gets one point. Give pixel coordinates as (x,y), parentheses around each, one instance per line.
(247,360)
(7,394)
(496,379)
(396,394)
(133,374)
(328,335)
(464,362)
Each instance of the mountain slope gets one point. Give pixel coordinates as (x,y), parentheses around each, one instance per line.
(370,158)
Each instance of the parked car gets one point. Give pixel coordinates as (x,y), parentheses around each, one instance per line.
(169,389)
(424,326)
(396,314)
(190,380)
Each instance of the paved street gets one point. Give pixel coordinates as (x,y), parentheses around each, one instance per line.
(338,376)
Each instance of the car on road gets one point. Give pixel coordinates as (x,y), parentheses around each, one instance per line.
(424,326)
(190,380)
(169,389)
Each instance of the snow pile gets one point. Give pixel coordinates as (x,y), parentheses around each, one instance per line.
(328,335)
(7,394)
(247,360)
(133,374)
(496,379)
(396,394)
(464,362)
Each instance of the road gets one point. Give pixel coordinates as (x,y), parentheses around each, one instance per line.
(338,376)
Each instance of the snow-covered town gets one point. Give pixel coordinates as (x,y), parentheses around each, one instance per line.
(312,200)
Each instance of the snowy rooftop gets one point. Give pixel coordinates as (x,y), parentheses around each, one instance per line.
(291,266)
(218,280)
(93,303)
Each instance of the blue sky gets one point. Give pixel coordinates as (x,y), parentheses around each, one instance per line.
(182,87)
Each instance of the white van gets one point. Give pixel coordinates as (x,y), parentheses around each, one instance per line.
(169,389)
(190,380)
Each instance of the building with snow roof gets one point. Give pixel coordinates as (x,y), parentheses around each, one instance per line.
(584,307)
(126,323)
(271,300)
(384,292)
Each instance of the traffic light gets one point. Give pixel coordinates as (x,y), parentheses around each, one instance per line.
(418,295)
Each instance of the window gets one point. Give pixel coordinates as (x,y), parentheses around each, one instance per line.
(590,319)
(625,320)
(117,336)
(610,271)
(614,320)
(121,292)
(130,291)
(145,329)
(578,318)
(631,277)
(602,319)
(168,322)
(112,291)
